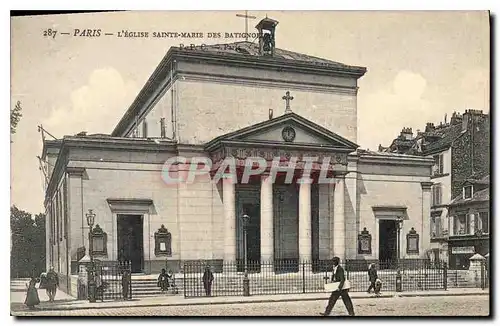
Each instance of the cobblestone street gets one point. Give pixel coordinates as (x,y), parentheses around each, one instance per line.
(415,306)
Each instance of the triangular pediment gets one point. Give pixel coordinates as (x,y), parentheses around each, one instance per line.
(289,129)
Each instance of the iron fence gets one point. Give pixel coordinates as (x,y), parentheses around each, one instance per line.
(112,274)
(293,276)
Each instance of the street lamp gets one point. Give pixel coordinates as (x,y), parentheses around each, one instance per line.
(246,281)
(91,279)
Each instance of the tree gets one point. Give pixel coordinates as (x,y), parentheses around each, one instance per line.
(28,243)
(15,116)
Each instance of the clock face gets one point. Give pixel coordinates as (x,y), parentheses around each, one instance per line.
(288,134)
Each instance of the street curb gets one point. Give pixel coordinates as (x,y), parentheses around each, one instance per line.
(318,298)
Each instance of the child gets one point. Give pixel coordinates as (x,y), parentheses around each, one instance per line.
(32,298)
(378,286)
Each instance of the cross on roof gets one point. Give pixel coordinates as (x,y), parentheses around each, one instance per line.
(246,22)
(287,99)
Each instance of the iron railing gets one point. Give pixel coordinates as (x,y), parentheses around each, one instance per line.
(111,274)
(289,277)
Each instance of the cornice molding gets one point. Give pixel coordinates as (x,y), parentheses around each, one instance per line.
(426,185)
(75,171)
(130,205)
(396,160)
(268,83)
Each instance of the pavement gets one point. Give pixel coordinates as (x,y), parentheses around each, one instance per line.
(477,306)
(65,302)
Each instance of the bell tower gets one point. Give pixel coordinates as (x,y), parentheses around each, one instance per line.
(267,43)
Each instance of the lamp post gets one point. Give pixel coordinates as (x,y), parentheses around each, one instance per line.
(399,225)
(246,281)
(91,279)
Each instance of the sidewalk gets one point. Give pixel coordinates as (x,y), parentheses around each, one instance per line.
(179,300)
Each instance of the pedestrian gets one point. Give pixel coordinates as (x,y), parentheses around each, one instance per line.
(163,280)
(125,284)
(338,276)
(52,283)
(208,278)
(372,277)
(378,286)
(32,298)
(99,285)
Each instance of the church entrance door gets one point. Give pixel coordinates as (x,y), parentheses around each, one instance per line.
(130,241)
(387,244)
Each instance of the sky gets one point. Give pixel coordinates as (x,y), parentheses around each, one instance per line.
(421,66)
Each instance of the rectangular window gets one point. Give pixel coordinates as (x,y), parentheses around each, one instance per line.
(438,165)
(468,192)
(144,129)
(461,225)
(482,222)
(436,194)
(162,128)
(436,230)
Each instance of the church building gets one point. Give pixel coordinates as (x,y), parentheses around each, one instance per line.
(238,100)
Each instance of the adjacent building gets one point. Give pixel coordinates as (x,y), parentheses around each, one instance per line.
(461,152)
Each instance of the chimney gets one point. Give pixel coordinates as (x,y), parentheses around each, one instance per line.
(456,118)
(407,133)
(429,127)
(267,41)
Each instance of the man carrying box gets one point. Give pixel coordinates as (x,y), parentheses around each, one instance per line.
(340,288)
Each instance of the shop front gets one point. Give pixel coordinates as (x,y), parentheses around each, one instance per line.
(461,249)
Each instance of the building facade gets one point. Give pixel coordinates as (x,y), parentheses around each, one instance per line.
(239,102)
(470,222)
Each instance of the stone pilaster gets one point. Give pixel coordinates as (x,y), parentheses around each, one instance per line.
(339,217)
(228,198)
(425,237)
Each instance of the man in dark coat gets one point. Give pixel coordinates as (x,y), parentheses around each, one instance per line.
(52,283)
(338,275)
(208,278)
(372,277)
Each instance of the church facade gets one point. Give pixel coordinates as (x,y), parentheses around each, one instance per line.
(242,101)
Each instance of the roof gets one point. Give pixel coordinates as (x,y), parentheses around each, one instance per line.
(246,48)
(448,135)
(479,196)
(475,181)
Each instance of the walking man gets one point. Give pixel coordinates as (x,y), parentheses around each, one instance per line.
(338,275)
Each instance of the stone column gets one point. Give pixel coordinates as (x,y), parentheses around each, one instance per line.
(339,218)
(228,197)
(266,219)
(425,240)
(305,241)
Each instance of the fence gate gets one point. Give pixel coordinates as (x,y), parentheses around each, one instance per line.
(111,275)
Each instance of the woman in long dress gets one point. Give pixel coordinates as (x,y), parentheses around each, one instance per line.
(32,298)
